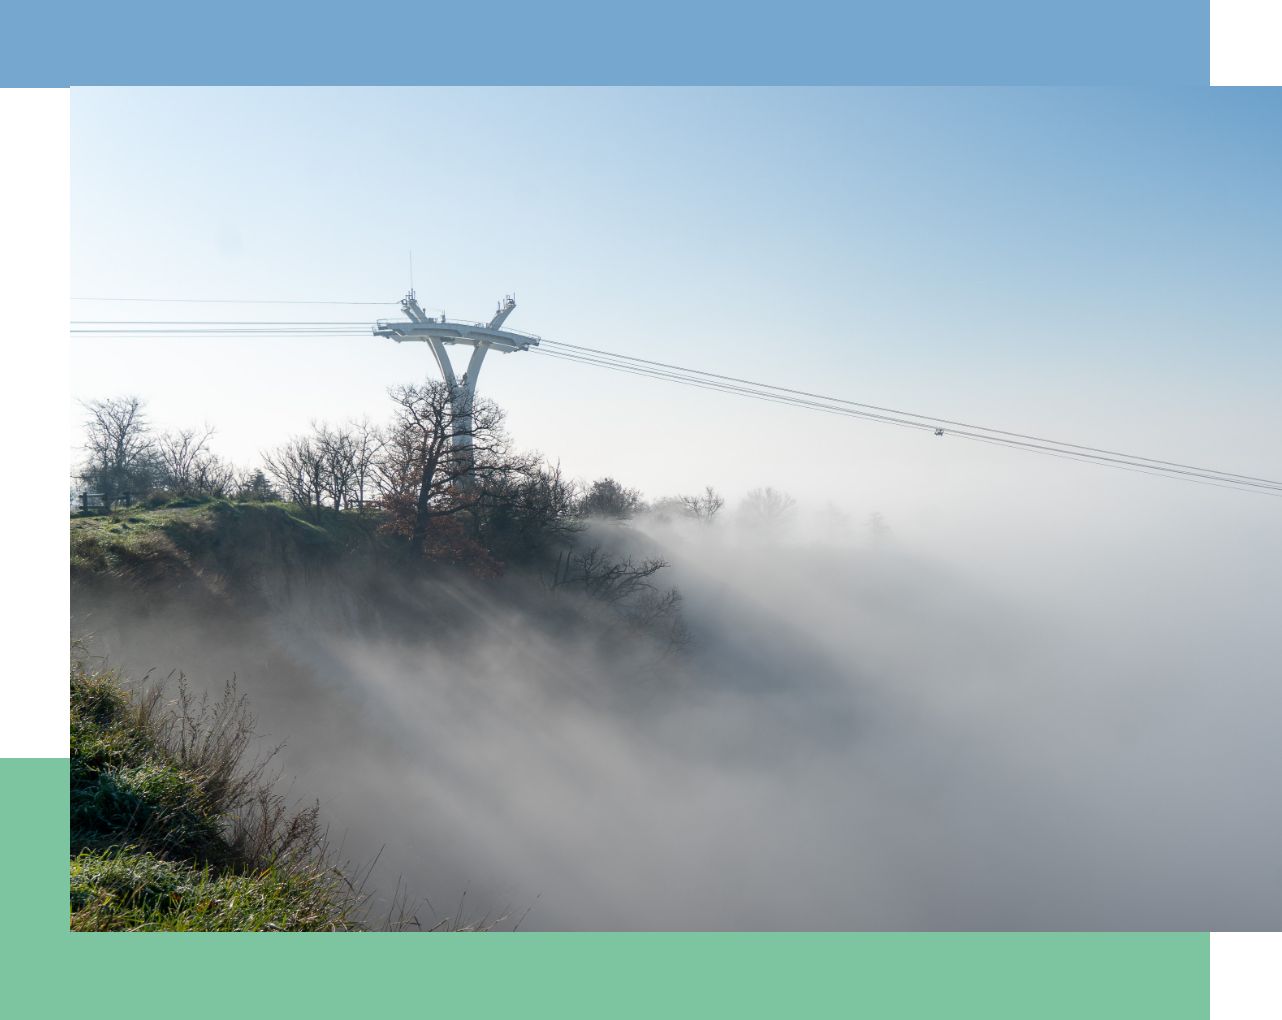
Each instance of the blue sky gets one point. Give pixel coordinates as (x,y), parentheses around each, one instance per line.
(1096,265)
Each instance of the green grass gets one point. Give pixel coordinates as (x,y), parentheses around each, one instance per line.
(171,830)
(124,889)
(187,537)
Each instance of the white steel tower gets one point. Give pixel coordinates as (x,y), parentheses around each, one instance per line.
(480,336)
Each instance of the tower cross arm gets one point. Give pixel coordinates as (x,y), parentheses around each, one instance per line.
(448,331)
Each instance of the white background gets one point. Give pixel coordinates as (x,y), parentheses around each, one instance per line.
(1246,42)
(35,270)
(1246,975)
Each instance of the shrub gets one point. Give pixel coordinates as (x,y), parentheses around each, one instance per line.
(173,827)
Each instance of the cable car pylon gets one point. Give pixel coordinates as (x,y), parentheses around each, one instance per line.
(480,336)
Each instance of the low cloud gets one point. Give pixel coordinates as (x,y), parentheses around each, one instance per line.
(858,736)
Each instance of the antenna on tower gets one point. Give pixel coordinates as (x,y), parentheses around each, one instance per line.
(411,270)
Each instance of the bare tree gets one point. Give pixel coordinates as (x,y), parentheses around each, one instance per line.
(179,455)
(298,467)
(423,474)
(367,442)
(604,577)
(705,506)
(120,448)
(213,477)
(626,586)
(331,466)
(336,448)
(767,508)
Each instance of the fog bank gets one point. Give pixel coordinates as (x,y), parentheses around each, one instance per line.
(859,735)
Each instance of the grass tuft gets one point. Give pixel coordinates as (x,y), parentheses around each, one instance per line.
(174,828)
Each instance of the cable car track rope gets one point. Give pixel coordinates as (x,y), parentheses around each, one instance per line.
(698,378)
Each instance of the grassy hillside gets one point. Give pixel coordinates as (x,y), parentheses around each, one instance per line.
(172,830)
(217,534)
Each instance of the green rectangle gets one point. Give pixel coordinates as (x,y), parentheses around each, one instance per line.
(994,976)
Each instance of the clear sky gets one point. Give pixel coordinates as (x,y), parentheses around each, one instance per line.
(1098,266)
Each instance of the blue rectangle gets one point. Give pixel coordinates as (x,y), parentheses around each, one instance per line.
(388,42)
